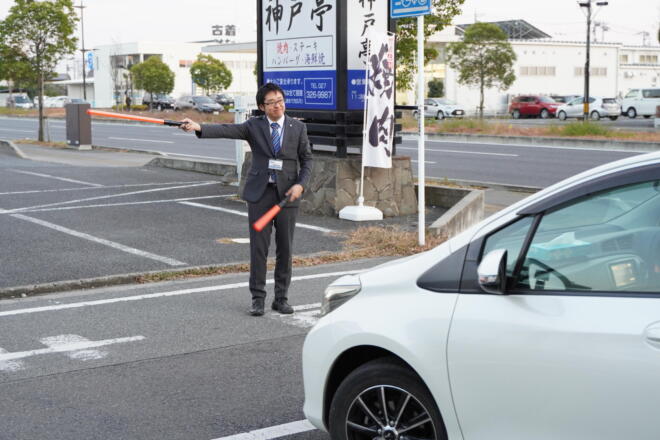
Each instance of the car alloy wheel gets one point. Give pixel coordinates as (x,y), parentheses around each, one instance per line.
(386,401)
(545,114)
(562,115)
(632,113)
(516,114)
(440,116)
(595,116)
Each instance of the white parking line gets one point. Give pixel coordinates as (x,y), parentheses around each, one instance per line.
(273,431)
(109,205)
(102,302)
(132,185)
(64,179)
(436,150)
(112,244)
(140,140)
(69,202)
(244,214)
(15,129)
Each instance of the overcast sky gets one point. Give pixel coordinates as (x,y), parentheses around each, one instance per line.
(115,21)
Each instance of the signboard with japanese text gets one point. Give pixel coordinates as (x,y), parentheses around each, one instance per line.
(379,130)
(410,8)
(362,15)
(299,51)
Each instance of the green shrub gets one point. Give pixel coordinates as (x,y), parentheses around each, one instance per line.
(581,129)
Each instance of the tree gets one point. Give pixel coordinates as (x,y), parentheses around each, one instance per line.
(210,74)
(406,39)
(484,58)
(436,88)
(153,76)
(15,69)
(42,32)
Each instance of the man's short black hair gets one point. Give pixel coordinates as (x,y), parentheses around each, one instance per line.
(266,89)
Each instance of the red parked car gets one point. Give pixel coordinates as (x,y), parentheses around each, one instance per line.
(533,105)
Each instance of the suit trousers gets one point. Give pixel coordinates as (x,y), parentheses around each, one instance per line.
(285,224)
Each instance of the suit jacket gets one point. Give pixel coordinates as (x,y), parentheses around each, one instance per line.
(295,154)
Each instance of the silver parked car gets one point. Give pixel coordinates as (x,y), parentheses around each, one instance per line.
(441,108)
(598,108)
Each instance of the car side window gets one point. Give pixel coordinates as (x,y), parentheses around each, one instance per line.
(604,242)
(511,238)
(632,94)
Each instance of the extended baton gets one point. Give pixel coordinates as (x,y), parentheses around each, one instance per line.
(260,224)
(135,118)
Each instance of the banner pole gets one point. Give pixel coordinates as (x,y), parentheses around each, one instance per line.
(421,178)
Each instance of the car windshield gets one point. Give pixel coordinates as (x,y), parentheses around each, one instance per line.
(445,102)
(21,100)
(202,100)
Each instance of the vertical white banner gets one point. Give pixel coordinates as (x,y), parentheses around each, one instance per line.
(379,103)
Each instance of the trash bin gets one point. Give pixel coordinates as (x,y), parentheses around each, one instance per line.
(78,126)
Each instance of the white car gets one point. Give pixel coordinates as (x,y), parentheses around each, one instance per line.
(56,101)
(541,322)
(598,108)
(641,102)
(441,108)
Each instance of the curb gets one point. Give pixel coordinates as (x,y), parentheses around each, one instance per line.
(12,149)
(590,144)
(491,185)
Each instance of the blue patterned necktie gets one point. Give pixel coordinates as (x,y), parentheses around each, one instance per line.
(277,144)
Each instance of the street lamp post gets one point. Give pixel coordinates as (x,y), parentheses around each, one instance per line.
(82,48)
(587,5)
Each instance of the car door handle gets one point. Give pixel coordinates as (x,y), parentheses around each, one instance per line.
(653,334)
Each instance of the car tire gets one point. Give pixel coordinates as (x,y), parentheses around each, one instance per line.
(562,115)
(631,113)
(415,114)
(647,116)
(594,116)
(545,114)
(440,115)
(160,107)
(614,118)
(369,383)
(515,114)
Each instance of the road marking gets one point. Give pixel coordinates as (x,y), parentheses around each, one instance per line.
(305,317)
(273,431)
(436,150)
(75,346)
(48,176)
(112,244)
(140,140)
(15,129)
(244,214)
(27,208)
(36,191)
(426,161)
(241,240)
(102,302)
(109,205)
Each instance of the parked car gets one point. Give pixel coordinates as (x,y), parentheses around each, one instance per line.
(223,99)
(532,105)
(160,102)
(641,102)
(56,101)
(542,321)
(598,108)
(563,99)
(199,103)
(20,101)
(441,108)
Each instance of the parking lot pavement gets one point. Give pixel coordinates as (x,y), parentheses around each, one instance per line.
(61,222)
(172,360)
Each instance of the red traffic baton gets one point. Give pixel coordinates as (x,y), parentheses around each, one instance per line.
(260,224)
(135,118)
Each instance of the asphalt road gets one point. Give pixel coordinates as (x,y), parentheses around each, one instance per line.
(176,360)
(488,163)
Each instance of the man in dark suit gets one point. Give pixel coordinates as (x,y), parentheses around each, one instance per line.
(281,167)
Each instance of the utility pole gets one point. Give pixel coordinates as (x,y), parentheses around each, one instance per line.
(82,48)
(587,5)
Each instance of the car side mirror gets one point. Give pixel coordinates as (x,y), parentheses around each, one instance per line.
(492,272)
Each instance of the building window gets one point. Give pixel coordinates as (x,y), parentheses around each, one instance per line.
(624,59)
(648,59)
(594,71)
(537,70)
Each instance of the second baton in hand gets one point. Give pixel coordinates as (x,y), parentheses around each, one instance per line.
(260,224)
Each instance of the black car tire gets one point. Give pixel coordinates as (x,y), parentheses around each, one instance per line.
(440,115)
(631,113)
(562,115)
(594,116)
(647,116)
(545,114)
(389,378)
(614,118)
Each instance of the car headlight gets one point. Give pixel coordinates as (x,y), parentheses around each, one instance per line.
(339,292)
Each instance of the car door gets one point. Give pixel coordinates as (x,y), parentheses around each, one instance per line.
(575,108)
(429,108)
(572,350)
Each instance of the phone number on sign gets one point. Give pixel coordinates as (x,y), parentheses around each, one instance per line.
(318,94)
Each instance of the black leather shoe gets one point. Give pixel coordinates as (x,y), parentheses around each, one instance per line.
(280,305)
(257,308)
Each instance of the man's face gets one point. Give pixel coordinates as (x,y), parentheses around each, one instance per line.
(273,105)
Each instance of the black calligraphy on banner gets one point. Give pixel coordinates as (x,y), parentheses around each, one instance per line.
(379,131)
(319,11)
(381,84)
(274,14)
(296,7)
